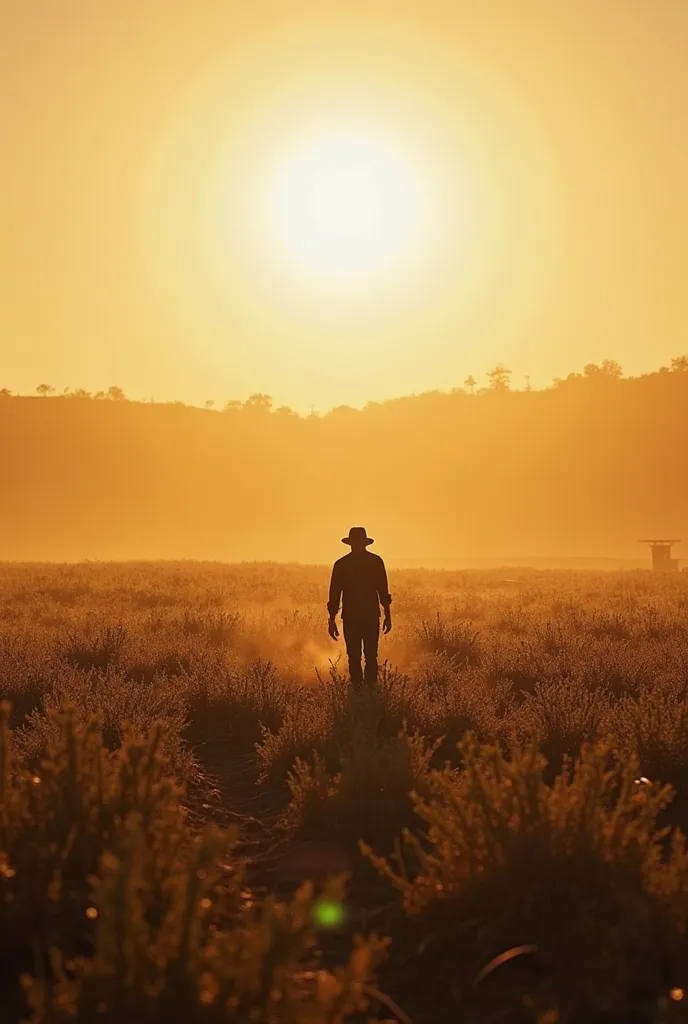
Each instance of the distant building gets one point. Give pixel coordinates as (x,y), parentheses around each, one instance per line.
(661,555)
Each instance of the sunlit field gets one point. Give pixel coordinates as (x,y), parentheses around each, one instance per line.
(184,770)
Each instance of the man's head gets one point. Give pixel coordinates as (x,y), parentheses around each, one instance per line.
(358,539)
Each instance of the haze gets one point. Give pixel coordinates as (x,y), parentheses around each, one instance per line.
(580,470)
(543,145)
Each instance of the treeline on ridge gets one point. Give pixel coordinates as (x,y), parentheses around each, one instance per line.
(583,468)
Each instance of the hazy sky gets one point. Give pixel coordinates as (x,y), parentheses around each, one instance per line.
(144,143)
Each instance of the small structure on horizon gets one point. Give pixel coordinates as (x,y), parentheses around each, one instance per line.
(661,555)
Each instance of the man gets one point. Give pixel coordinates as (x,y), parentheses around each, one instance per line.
(359,580)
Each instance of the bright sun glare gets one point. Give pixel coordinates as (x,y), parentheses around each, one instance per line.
(344,206)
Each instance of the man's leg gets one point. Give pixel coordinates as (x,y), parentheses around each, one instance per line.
(353,638)
(371,638)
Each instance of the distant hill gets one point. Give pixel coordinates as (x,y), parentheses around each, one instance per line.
(577,471)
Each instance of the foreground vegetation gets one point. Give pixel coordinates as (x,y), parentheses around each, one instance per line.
(184,770)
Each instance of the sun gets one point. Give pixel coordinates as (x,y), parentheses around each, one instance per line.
(344,206)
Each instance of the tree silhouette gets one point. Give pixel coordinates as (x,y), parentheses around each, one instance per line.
(608,368)
(5,393)
(679,364)
(99,395)
(116,394)
(499,378)
(233,403)
(45,389)
(470,383)
(209,403)
(259,401)
(570,378)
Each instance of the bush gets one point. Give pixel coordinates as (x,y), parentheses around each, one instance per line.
(574,870)
(654,727)
(138,916)
(62,809)
(119,704)
(324,718)
(560,716)
(368,797)
(457,641)
(231,707)
(204,956)
(452,702)
(98,650)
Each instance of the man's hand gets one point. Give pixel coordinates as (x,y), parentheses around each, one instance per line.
(387,624)
(332,628)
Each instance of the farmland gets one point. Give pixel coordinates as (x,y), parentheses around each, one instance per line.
(184,769)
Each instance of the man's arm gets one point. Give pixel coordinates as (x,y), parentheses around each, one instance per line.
(385,597)
(334,600)
(335,591)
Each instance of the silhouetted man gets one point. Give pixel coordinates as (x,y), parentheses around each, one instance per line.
(359,580)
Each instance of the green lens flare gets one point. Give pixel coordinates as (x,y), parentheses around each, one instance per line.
(329,913)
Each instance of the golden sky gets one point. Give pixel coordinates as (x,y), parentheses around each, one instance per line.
(523,170)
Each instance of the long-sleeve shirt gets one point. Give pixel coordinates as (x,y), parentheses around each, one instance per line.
(359,581)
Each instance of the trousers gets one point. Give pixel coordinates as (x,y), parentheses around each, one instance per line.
(362,633)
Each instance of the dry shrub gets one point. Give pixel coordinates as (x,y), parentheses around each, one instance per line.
(347,759)
(368,797)
(97,649)
(560,716)
(621,668)
(456,640)
(139,917)
(122,706)
(654,728)
(452,702)
(61,810)
(522,663)
(328,717)
(27,668)
(400,698)
(231,707)
(574,871)
(610,624)
(304,729)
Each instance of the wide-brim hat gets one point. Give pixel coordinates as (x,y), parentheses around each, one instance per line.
(358,533)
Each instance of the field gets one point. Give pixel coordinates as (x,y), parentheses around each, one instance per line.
(184,768)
